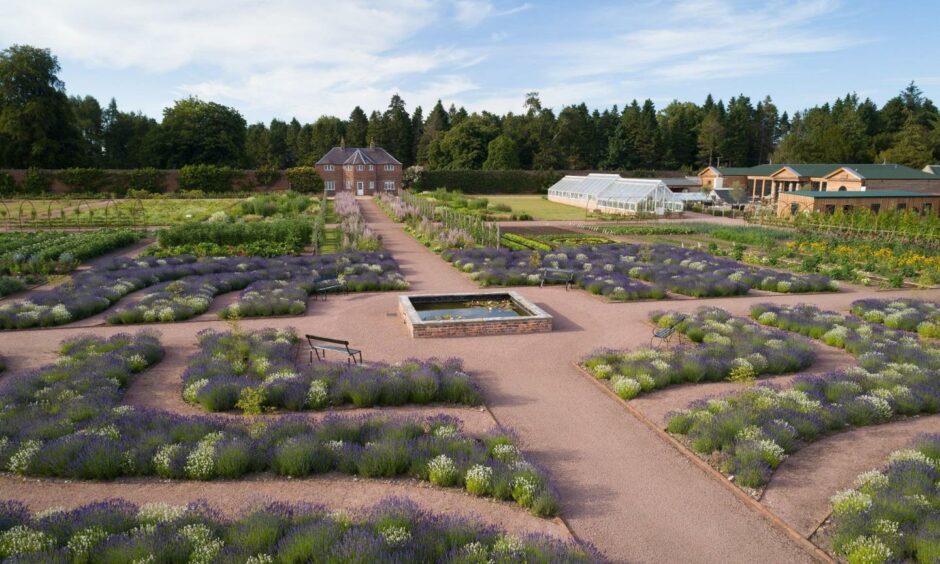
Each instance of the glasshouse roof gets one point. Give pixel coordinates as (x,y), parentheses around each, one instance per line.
(611,187)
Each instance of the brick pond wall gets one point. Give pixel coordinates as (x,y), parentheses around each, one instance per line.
(465,328)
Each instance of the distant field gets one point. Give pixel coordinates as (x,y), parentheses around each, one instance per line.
(539,208)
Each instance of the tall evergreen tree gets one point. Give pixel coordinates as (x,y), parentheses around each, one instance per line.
(357,128)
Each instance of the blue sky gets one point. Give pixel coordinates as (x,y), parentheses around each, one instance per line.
(284,58)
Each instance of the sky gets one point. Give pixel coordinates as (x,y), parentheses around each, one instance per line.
(290,58)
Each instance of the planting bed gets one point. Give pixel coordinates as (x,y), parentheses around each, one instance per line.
(615,271)
(96,290)
(904,314)
(65,421)
(751,432)
(257,371)
(394,530)
(725,348)
(893,513)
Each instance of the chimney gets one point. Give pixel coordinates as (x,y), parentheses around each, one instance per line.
(342,142)
(372,143)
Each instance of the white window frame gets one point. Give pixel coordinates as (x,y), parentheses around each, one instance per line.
(347,167)
(330,185)
(349,184)
(389,167)
(360,168)
(371,167)
(328,168)
(372,185)
(389,185)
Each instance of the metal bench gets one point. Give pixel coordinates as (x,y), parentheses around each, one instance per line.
(557,275)
(320,345)
(665,333)
(329,286)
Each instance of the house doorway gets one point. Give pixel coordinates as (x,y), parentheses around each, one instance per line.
(360,188)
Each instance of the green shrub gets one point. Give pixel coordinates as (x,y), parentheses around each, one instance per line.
(85,179)
(36,181)
(7,184)
(208,178)
(148,180)
(267,175)
(295,233)
(304,179)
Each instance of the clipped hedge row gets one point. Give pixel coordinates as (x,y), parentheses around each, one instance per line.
(487,181)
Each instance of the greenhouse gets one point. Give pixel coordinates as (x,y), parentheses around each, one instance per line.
(609,193)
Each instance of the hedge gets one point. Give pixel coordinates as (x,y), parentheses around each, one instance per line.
(296,232)
(487,181)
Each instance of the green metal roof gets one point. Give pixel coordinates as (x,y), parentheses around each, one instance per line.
(889,172)
(866,194)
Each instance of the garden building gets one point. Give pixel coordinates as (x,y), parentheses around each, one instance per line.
(609,193)
(806,201)
(366,171)
(866,177)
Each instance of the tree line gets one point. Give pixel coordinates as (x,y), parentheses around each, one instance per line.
(41,126)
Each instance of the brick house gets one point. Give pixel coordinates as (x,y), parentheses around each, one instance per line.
(365,171)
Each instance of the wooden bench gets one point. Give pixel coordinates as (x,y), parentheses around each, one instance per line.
(320,345)
(328,286)
(665,333)
(557,275)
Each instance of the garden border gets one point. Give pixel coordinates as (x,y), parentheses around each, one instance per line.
(753,504)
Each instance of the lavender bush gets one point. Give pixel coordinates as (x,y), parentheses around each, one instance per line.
(180,299)
(892,514)
(753,430)
(724,347)
(906,314)
(394,530)
(272,297)
(356,234)
(234,365)
(65,421)
(94,291)
(613,270)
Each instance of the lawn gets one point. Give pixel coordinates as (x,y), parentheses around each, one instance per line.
(539,208)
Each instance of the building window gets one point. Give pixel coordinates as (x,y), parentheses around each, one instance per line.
(830,209)
(371,167)
(390,167)
(389,185)
(360,167)
(347,167)
(349,184)
(928,208)
(875,208)
(330,185)
(847,208)
(372,185)
(328,168)
(902,207)
(841,188)
(794,208)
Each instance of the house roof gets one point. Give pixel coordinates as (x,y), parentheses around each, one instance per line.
(357,155)
(726,195)
(865,194)
(884,172)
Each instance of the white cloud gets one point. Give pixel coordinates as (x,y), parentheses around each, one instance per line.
(695,39)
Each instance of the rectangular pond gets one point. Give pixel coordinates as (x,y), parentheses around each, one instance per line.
(480,313)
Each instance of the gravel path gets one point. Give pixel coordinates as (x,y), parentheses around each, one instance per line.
(800,489)
(621,486)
